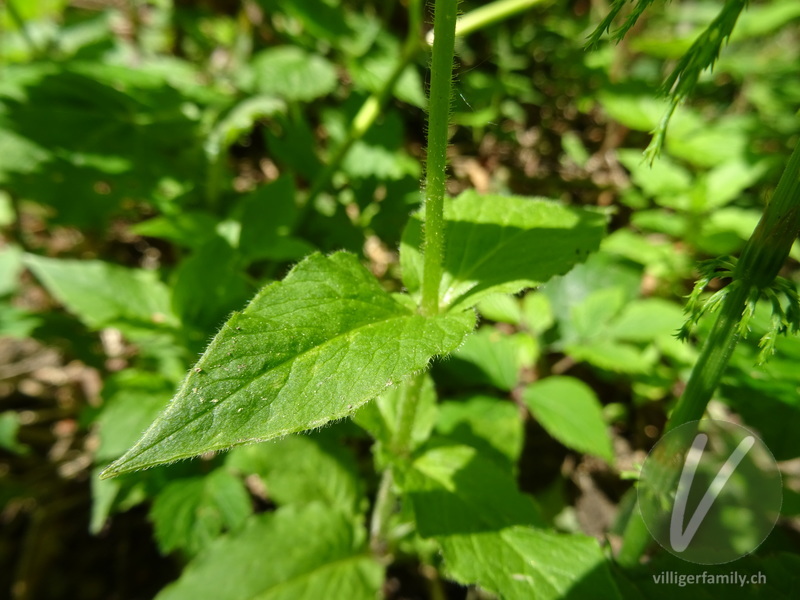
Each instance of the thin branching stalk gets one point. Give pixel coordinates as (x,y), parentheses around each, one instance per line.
(373,105)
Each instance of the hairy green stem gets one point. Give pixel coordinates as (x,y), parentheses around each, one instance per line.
(762,257)
(438,120)
(705,377)
(444,28)
(384,507)
(714,357)
(401,446)
(407,415)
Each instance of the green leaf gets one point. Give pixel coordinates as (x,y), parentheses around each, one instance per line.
(17,322)
(132,400)
(300,469)
(268,218)
(483,524)
(634,108)
(644,320)
(20,155)
(663,178)
(380,152)
(240,120)
(379,418)
(292,143)
(292,554)
(291,73)
(306,351)
(727,182)
(491,425)
(712,144)
(520,563)
(537,312)
(493,357)
(614,356)
(372,71)
(102,294)
(455,489)
(113,134)
(187,228)
(10,269)
(209,285)
(189,513)
(591,317)
(570,411)
(502,244)
(600,271)
(501,308)
(9,425)
(321,19)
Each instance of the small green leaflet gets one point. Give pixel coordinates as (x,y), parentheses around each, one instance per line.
(502,244)
(306,351)
(554,401)
(295,553)
(302,469)
(189,513)
(491,534)
(102,294)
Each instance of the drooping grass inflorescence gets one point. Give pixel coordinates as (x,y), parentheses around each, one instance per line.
(702,55)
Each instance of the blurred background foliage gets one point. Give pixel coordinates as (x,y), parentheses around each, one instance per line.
(161,160)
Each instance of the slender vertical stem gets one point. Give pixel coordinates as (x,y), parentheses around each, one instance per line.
(384,506)
(401,446)
(407,414)
(761,259)
(713,359)
(704,379)
(438,121)
(444,29)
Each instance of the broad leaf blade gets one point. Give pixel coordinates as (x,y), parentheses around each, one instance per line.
(292,554)
(519,563)
(306,351)
(293,74)
(490,425)
(301,469)
(456,490)
(189,513)
(502,244)
(102,294)
(488,535)
(570,411)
